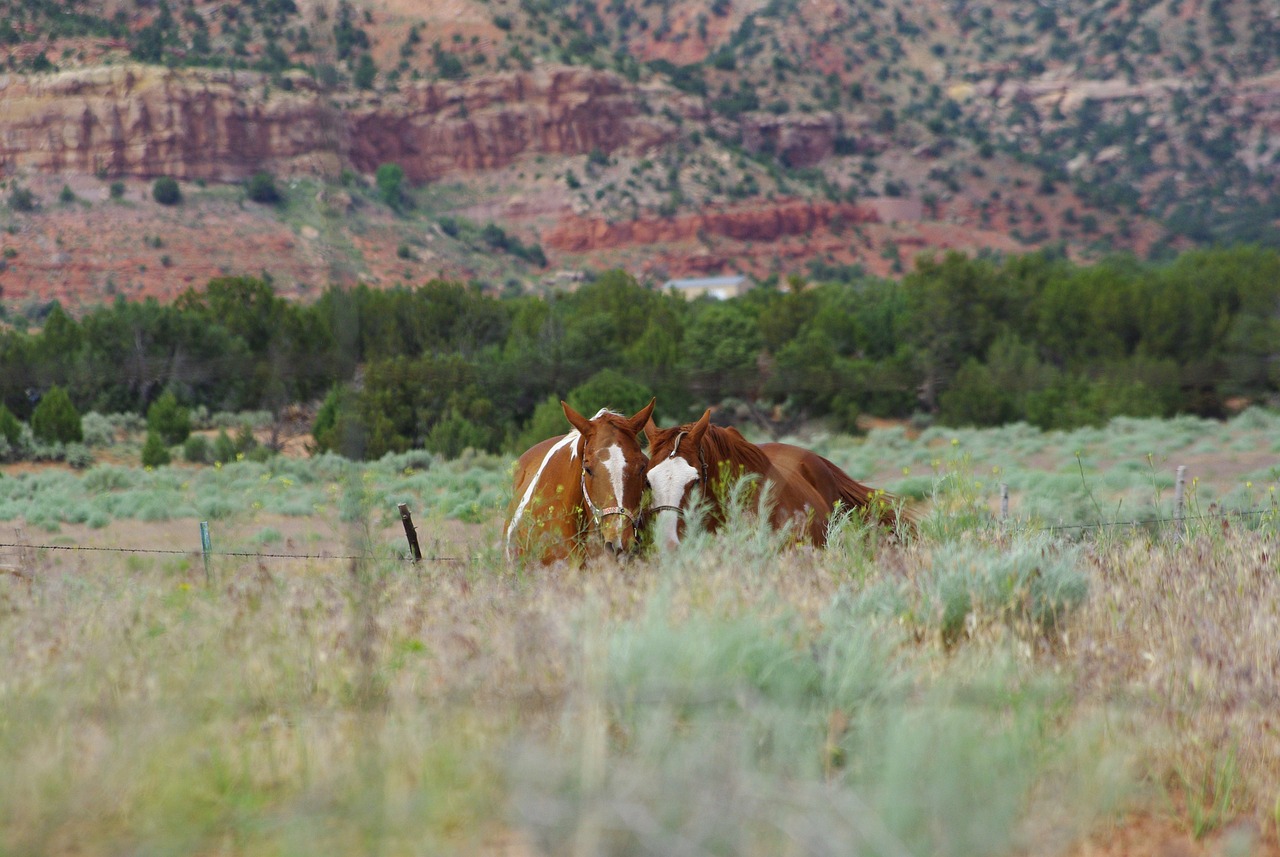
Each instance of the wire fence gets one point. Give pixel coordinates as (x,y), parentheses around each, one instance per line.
(242,554)
(25,547)
(1185,520)
(1179,522)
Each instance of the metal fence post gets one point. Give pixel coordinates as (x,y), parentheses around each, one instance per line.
(1179,499)
(206,547)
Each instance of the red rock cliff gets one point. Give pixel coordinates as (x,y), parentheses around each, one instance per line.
(581,235)
(221,125)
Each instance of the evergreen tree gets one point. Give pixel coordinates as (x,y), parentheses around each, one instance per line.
(154,452)
(168,419)
(55,419)
(10,428)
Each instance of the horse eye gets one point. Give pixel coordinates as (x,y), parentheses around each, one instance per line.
(587,470)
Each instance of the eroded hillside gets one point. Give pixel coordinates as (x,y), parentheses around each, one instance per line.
(538,138)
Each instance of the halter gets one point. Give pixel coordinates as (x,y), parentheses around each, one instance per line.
(598,514)
(702,475)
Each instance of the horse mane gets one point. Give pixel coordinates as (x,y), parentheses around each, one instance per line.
(726,444)
(613,418)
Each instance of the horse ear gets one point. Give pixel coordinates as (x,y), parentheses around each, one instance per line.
(700,428)
(651,431)
(641,420)
(577,420)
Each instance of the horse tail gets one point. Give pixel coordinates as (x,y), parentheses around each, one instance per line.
(888,509)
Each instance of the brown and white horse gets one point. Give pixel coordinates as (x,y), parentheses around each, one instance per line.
(579,490)
(803,487)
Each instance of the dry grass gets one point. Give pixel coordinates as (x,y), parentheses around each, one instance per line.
(736,698)
(1185,636)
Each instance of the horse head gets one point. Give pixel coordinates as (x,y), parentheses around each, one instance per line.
(677,468)
(613,467)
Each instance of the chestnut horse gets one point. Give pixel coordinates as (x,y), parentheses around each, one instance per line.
(580,489)
(804,487)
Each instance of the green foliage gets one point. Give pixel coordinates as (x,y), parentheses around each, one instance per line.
(168,419)
(964,341)
(366,72)
(390,181)
(547,421)
(197,450)
(723,342)
(494,236)
(155,452)
(224,448)
(10,428)
(1029,586)
(448,65)
(98,429)
(261,187)
(165,191)
(55,419)
(21,198)
(454,433)
(610,389)
(78,456)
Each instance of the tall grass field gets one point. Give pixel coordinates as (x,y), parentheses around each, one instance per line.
(1094,662)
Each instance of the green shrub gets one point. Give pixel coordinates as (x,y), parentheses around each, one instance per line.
(22,199)
(259,453)
(245,441)
(454,434)
(98,429)
(56,420)
(78,456)
(168,419)
(366,72)
(197,450)
(261,187)
(116,190)
(224,448)
(154,451)
(390,181)
(165,191)
(10,427)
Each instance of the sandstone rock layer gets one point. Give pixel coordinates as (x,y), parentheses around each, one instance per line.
(146,121)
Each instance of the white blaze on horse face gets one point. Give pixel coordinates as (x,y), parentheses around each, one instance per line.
(615,463)
(668,481)
(571,440)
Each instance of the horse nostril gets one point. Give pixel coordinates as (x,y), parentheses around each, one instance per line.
(609,546)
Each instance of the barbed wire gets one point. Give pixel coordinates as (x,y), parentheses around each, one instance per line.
(1184,519)
(241,554)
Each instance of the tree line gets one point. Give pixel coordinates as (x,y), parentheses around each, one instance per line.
(959,340)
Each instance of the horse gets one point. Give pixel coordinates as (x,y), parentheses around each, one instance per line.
(577,486)
(804,488)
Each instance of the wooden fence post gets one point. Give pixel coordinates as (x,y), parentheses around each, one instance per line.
(409,532)
(1004,501)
